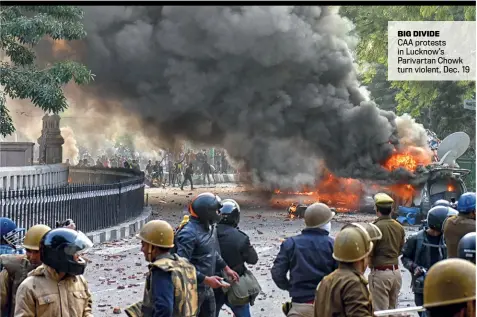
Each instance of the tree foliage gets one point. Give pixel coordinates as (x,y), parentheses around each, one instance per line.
(22,27)
(439,104)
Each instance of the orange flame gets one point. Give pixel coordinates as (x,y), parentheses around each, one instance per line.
(409,159)
(345,193)
(342,193)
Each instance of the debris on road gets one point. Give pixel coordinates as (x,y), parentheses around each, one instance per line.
(122,261)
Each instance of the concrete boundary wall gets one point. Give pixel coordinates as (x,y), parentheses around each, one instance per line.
(101,175)
(33,176)
(121,231)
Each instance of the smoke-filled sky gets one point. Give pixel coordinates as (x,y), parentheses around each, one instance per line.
(276,86)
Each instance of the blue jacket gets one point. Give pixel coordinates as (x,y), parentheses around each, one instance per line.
(162,293)
(309,257)
(199,244)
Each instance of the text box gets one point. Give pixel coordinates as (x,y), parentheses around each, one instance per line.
(431,50)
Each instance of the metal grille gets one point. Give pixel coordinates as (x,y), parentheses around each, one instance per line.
(91,206)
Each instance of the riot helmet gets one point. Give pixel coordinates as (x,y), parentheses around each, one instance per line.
(452,212)
(230,213)
(352,244)
(448,282)
(466,247)
(318,214)
(373,231)
(206,207)
(466,203)
(10,233)
(442,202)
(34,236)
(436,217)
(158,233)
(59,249)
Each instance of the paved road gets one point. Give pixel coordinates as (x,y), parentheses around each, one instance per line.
(116,273)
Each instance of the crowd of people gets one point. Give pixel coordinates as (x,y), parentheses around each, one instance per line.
(200,266)
(180,168)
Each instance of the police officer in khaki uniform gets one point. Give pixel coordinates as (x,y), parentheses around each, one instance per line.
(344,292)
(16,268)
(458,226)
(385,278)
(449,291)
(171,285)
(57,287)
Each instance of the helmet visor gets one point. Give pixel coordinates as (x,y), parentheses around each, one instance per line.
(80,245)
(219,202)
(15,237)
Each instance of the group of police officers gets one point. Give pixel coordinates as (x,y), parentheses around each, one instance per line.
(200,266)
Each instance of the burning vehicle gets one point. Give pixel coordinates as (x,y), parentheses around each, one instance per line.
(436,180)
(443,180)
(297,210)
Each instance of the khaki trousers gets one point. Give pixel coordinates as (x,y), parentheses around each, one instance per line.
(301,310)
(384,287)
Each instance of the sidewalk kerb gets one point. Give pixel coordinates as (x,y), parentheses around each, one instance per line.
(122,230)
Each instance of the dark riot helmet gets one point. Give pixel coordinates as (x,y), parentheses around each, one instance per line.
(230,212)
(442,202)
(466,248)
(466,203)
(59,249)
(436,217)
(206,207)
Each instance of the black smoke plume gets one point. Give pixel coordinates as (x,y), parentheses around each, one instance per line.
(274,85)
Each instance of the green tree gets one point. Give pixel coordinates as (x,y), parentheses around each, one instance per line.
(438,105)
(22,27)
(381,91)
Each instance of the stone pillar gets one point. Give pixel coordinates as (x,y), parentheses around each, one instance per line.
(51,141)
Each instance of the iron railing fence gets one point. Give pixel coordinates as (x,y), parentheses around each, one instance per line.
(91,206)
